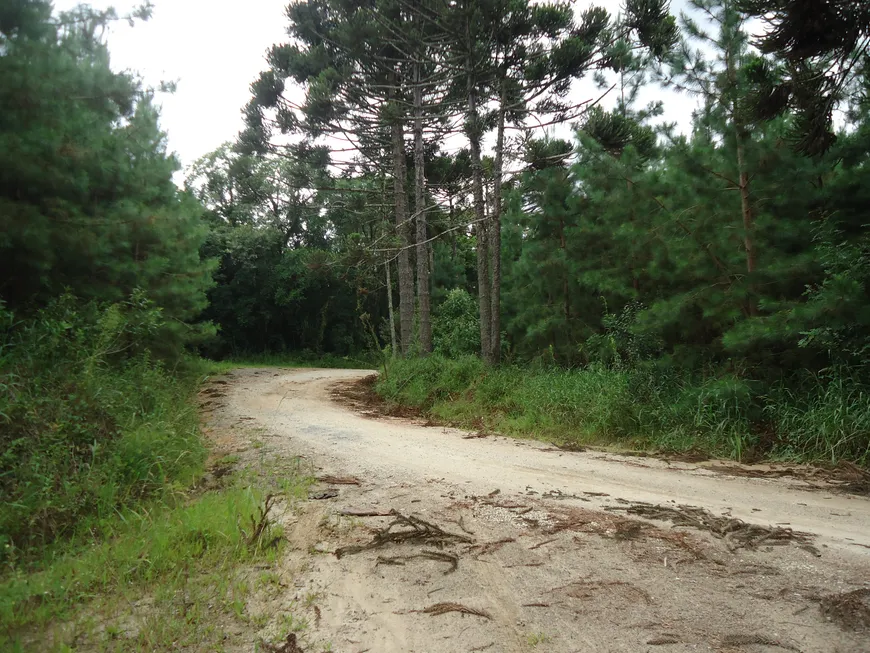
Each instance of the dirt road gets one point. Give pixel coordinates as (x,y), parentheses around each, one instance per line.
(515,546)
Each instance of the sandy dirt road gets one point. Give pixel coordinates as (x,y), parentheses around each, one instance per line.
(537,541)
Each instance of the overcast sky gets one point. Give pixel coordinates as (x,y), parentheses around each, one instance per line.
(215,49)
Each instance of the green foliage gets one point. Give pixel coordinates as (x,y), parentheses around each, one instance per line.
(456,326)
(419,382)
(819,45)
(91,421)
(621,345)
(292,270)
(644,407)
(87,201)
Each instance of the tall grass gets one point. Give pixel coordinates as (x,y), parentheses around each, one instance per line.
(827,418)
(99,445)
(89,423)
(642,408)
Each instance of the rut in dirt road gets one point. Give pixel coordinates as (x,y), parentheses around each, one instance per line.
(450,544)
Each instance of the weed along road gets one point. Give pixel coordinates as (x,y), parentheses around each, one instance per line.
(434,540)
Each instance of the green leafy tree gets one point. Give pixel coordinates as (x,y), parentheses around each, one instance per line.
(87,201)
(455,327)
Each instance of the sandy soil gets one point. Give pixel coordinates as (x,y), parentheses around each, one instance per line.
(516,546)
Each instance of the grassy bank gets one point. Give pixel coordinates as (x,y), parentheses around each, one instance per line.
(821,419)
(101,452)
(90,426)
(109,538)
(161,547)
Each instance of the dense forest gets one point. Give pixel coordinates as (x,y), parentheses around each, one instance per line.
(471,195)
(481,179)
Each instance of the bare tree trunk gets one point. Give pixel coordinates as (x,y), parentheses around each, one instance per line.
(495,236)
(483,282)
(423,297)
(390,313)
(403,228)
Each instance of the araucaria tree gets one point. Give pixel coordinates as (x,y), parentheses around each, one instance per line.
(370,70)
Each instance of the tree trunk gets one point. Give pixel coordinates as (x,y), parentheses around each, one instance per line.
(431,268)
(406,275)
(423,297)
(390,313)
(495,236)
(743,183)
(483,282)
(748,219)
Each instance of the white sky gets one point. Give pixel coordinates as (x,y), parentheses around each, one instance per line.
(216,48)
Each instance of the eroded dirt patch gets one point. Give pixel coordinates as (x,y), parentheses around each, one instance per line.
(359,395)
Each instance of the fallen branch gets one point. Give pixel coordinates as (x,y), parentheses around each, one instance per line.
(733,641)
(492,547)
(444,608)
(449,558)
(734,532)
(416,531)
(851,610)
(540,544)
(339,480)
(260,525)
(351,512)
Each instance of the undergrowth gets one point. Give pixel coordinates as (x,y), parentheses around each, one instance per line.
(173,573)
(91,422)
(107,537)
(827,418)
(161,542)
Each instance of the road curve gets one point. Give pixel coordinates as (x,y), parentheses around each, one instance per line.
(296,406)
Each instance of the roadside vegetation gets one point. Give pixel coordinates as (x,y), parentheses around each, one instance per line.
(630,285)
(102,461)
(641,409)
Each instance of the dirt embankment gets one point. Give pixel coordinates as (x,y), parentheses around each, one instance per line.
(428,540)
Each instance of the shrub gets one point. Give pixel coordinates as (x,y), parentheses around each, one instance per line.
(456,327)
(90,421)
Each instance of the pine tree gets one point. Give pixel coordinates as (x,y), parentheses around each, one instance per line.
(819,46)
(88,202)
(351,65)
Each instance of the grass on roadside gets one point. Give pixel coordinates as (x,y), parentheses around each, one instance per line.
(186,557)
(827,419)
(100,452)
